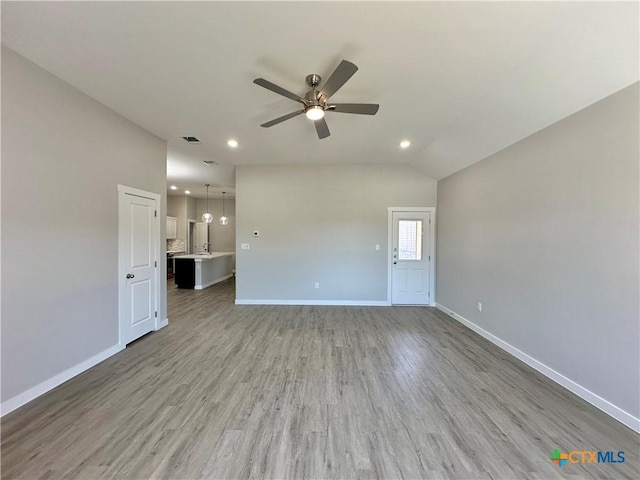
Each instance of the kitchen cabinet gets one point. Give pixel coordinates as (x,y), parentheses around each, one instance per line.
(172,227)
(185,272)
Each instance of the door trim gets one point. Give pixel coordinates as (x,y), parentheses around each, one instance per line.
(188,249)
(158,321)
(432,248)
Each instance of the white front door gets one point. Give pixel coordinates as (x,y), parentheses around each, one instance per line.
(138,240)
(411,257)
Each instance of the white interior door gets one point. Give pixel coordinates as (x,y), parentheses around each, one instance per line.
(201,237)
(138,238)
(411,258)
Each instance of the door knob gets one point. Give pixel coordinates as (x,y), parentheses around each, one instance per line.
(130,275)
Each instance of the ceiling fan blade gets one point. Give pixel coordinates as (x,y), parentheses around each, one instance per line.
(279,90)
(322,128)
(360,108)
(281,119)
(338,78)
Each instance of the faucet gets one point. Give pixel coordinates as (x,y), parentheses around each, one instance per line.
(207,246)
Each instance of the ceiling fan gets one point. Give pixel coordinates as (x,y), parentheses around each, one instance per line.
(315,101)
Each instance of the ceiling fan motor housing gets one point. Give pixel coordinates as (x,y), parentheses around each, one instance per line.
(315,98)
(313,80)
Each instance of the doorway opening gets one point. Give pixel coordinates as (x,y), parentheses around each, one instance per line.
(197,237)
(191,225)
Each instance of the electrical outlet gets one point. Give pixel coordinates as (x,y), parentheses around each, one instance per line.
(245,246)
(317,285)
(479,306)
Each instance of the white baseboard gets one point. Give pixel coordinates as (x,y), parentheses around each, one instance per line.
(161,324)
(208,284)
(355,303)
(34,392)
(587,395)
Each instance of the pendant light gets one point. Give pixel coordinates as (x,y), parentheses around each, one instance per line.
(207,217)
(223,219)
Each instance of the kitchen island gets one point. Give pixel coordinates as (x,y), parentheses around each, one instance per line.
(201,270)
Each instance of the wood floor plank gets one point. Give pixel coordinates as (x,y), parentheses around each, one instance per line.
(273,392)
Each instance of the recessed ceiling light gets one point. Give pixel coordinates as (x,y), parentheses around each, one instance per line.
(405,144)
(232,143)
(187,192)
(173,187)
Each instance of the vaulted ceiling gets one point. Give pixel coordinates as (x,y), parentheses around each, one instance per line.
(460,80)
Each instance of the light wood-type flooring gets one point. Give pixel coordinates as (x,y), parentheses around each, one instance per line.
(235,392)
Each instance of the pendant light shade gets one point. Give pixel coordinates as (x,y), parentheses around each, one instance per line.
(223,219)
(207,217)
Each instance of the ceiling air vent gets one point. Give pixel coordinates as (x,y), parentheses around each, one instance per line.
(210,162)
(191,140)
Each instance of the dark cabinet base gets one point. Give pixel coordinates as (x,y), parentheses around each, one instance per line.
(185,272)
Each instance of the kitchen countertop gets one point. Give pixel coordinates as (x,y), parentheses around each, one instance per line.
(207,256)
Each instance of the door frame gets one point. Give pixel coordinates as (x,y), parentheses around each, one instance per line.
(188,235)
(432,248)
(136,192)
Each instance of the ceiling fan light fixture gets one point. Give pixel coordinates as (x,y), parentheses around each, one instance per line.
(314,112)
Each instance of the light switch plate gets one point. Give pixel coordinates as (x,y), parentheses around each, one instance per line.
(245,246)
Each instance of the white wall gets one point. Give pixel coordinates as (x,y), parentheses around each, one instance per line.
(63,155)
(177,207)
(319,224)
(223,238)
(192,209)
(545,235)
